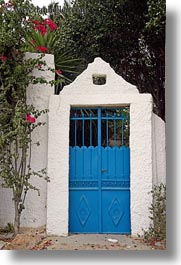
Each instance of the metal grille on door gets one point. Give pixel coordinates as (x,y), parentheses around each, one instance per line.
(99,170)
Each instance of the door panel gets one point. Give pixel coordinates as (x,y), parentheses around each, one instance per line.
(84,213)
(99,184)
(115,211)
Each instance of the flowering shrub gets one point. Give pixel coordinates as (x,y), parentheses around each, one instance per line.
(42,36)
(59,72)
(41,26)
(41,49)
(17,119)
(3,57)
(30,118)
(51,24)
(41,29)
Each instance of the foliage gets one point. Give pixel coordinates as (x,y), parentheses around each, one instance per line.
(13,20)
(154,36)
(55,13)
(100,33)
(157,229)
(156,15)
(8,229)
(17,119)
(128,34)
(43,36)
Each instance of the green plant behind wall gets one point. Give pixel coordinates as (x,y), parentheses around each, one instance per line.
(43,36)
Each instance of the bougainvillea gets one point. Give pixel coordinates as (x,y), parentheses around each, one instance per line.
(42,35)
(17,119)
(41,28)
(3,57)
(30,118)
(41,49)
(59,71)
(42,38)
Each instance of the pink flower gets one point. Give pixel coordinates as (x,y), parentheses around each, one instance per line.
(36,22)
(51,24)
(59,72)
(30,118)
(41,49)
(39,66)
(41,29)
(3,58)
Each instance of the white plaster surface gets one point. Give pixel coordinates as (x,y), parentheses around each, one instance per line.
(141,164)
(159,150)
(83,84)
(147,145)
(34,214)
(116,92)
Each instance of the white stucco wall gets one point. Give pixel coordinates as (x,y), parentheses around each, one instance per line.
(159,150)
(147,144)
(34,214)
(116,92)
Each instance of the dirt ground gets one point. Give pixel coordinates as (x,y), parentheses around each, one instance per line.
(36,239)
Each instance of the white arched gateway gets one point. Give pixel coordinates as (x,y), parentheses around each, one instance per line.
(96,187)
(103,149)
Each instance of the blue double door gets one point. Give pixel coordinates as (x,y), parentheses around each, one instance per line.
(99,171)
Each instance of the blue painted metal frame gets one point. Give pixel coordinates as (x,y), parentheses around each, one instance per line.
(115,117)
(99,178)
(99,171)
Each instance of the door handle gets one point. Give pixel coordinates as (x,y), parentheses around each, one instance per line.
(103,170)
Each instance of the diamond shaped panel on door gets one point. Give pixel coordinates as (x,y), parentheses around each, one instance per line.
(116,212)
(83,211)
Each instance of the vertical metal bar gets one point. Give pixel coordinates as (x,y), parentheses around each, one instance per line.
(107,128)
(90,144)
(83,150)
(115,141)
(122,140)
(114,129)
(99,126)
(82,129)
(75,129)
(91,129)
(75,143)
(100,173)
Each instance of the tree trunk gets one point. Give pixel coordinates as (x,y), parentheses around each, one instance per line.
(16,218)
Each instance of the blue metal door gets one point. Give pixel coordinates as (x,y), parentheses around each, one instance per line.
(99,171)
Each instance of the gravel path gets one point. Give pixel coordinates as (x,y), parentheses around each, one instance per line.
(97,242)
(33,239)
